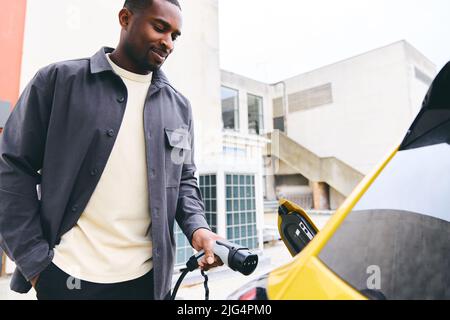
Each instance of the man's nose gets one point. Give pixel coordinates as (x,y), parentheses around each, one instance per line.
(167,42)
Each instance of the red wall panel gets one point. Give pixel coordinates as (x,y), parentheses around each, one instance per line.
(12,27)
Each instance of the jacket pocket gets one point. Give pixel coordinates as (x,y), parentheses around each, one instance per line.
(178,148)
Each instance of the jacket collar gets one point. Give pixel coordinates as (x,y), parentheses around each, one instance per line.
(99,64)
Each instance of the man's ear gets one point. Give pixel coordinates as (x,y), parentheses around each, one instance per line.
(125,17)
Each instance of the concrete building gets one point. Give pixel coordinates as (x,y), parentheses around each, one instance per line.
(333,124)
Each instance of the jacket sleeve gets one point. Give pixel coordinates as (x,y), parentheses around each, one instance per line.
(22,145)
(190,213)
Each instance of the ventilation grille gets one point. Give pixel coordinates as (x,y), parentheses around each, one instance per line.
(277,107)
(422,76)
(311,98)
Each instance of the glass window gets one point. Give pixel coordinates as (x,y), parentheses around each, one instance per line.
(209,195)
(235,205)
(229,192)
(240,199)
(278,123)
(242,204)
(242,217)
(230,108)
(255,114)
(248,192)
(229,208)
(4,114)
(184,249)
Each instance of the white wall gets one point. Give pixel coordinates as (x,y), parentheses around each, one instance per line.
(67,29)
(58,30)
(418,88)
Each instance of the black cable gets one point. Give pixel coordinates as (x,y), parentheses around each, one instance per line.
(175,290)
(205,284)
(191,265)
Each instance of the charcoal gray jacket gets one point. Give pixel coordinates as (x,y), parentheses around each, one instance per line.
(55,146)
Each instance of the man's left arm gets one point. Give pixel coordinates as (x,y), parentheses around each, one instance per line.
(190,213)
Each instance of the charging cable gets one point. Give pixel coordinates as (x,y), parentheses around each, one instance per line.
(236,257)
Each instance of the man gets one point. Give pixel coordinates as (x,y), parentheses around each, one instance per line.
(109,144)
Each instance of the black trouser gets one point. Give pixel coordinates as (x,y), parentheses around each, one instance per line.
(55,284)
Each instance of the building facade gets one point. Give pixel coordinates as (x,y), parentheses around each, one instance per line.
(333,124)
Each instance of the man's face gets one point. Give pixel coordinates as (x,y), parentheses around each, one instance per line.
(150,35)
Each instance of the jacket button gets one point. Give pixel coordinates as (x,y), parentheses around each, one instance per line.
(74,208)
(94,172)
(121,99)
(152,173)
(110,133)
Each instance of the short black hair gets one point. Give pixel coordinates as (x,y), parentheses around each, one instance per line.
(136,5)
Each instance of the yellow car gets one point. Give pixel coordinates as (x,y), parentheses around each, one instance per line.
(390,239)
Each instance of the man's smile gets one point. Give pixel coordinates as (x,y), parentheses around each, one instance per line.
(159,55)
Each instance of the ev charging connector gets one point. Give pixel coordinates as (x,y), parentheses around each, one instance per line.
(236,257)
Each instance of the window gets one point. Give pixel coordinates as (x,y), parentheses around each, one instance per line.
(230,108)
(4,113)
(240,210)
(184,249)
(234,151)
(278,123)
(255,114)
(209,195)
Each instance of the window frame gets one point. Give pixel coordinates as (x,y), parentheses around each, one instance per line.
(235,110)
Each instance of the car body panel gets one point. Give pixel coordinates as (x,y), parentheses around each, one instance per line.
(306,277)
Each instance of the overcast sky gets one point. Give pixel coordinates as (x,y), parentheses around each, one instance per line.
(271,40)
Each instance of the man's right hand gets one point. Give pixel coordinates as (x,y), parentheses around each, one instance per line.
(34,281)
